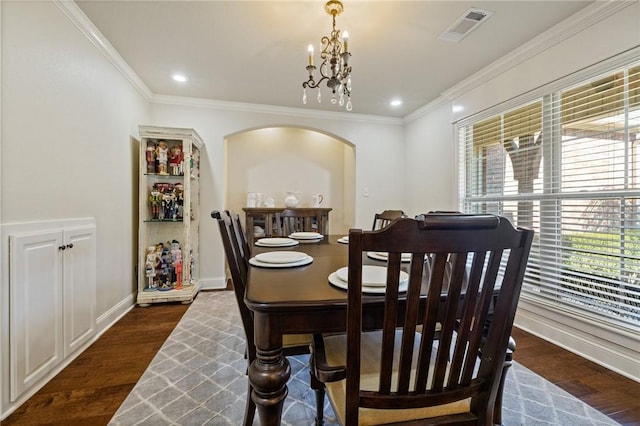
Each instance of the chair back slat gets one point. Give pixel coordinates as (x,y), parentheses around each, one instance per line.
(468,318)
(410,321)
(463,269)
(241,237)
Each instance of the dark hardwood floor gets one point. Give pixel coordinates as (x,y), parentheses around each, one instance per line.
(90,390)
(612,394)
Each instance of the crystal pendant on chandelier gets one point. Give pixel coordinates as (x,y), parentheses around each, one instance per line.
(304,96)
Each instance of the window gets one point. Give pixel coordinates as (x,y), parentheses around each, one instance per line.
(567,165)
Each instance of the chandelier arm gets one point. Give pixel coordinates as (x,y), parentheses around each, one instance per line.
(312,84)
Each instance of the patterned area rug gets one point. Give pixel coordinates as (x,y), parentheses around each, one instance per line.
(198,378)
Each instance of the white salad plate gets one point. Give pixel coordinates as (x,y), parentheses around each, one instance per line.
(276,242)
(337,282)
(378,255)
(372,275)
(305,261)
(281,256)
(344,240)
(306,236)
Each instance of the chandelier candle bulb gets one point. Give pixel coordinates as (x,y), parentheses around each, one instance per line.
(310,50)
(345,41)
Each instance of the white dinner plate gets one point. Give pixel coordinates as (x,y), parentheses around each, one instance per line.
(343,240)
(276,242)
(378,255)
(372,275)
(306,236)
(337,282)
(307,260)
(281,256)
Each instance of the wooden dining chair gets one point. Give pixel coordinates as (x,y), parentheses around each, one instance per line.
(380,220)
(238,263)
(396,374)
(301,221)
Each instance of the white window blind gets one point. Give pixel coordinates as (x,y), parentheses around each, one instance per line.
(567,165)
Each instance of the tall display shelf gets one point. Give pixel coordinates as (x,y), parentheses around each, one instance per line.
(168,239)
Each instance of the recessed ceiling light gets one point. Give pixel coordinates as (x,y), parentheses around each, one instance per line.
(396,102)
(179,77)
(457,108)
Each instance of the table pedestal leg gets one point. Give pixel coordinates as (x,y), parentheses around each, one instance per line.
(269,372)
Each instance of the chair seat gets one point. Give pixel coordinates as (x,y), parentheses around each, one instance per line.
(296,344)
(335,350)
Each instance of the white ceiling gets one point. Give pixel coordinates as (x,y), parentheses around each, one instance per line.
(255,51)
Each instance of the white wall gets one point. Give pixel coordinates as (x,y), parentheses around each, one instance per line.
(273,161)
(584,53)
(379,158)
(430,162)
(67,120)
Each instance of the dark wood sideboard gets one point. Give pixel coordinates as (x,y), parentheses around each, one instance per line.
(269,217)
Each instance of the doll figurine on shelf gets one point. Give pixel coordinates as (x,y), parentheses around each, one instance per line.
(163,268)
(150,268)
(175,160)
(168,206)
(162,156)
(151,157)
(155,202)
(178,192)
(176,254)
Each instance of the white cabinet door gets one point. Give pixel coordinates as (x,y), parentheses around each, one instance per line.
(35,288)
(79,287)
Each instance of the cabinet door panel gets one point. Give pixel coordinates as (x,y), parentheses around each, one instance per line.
(35,288)
(79,287)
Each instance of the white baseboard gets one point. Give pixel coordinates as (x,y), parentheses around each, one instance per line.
(615,349)
(219,283)
(113,315)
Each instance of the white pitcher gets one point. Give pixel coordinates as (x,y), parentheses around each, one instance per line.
(291,200)
(316,199)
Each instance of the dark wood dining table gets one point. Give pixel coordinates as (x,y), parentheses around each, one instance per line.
(292,301)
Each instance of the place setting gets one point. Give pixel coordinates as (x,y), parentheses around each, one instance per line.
(306,237)
(344,240)
(384,256)
(281,259)
(276,242)
(374,279)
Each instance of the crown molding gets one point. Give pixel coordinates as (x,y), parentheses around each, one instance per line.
(423,110)
(588,16)
(272,109)
(581,20)
(80,20)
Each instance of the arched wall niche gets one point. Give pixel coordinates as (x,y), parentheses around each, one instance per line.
(276,159)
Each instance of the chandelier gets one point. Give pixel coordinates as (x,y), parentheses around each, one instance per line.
(335,68)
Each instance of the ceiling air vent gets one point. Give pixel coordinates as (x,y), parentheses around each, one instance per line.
(465,24)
